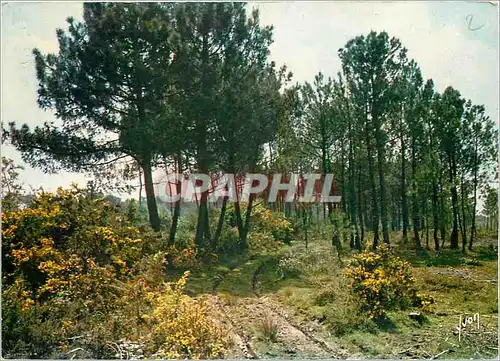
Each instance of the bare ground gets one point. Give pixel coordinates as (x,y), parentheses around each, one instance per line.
(243,318)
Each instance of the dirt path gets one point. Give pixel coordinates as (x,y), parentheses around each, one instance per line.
(244,317)
(242,346)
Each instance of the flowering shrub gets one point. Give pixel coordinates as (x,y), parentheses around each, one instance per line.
(266,220)
(63,238)
(181,327)
(74,265)
(182,258)
(268,230)
(425,302)
(263,242)
(382,281)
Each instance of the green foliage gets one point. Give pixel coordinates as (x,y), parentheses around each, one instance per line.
(265,220)
(263,242)
(293,264)
(12,193)
(268,329)
(383,282)
(179,326)
(269,230)
(191,85)
(73,265)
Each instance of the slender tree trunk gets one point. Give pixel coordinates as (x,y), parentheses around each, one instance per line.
(442,219)
(344,199)
(415,205)
(474,203)
(464,215)
(404,191)
(140,187)
(435,218)
(381,173)
(202,226)
(177,209)
(248,215)
(239,219)
(427,236)
(154,218)
(325,159)
(353,207)
(220,224)
(354,218)
(361,221)
(361,209)
(375,214)
(454,204)
(426,224)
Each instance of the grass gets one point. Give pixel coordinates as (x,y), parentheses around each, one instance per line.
(268,329)
(462,288)
(460,284)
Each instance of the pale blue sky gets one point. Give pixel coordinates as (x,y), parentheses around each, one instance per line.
(307,37)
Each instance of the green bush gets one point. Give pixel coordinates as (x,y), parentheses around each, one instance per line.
(75,266)
(383,282)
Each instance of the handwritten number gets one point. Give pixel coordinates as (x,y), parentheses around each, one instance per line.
(469,18)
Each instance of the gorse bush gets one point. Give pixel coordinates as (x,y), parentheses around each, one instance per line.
(268,230)
(263,242)
(63,236)
(75,266)
(180,328)
(383,282)
(265,220)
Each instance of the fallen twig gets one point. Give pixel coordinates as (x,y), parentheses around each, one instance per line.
(439,354)
(404,351)
(76,349)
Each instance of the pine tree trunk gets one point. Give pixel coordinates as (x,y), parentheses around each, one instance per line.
(360,212)
(464,215)
(426,225)
(454,232)
(352,198)
(246,227)
(201,225)
(371,172)
(442,219)
(140,187)
(435,218)
(342,180)
(381,173)
(415,208)
(154,218)
(177,209)
(220,224)
(404,191)
(325,159)
(474,204)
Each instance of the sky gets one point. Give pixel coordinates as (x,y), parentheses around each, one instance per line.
(454,43)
